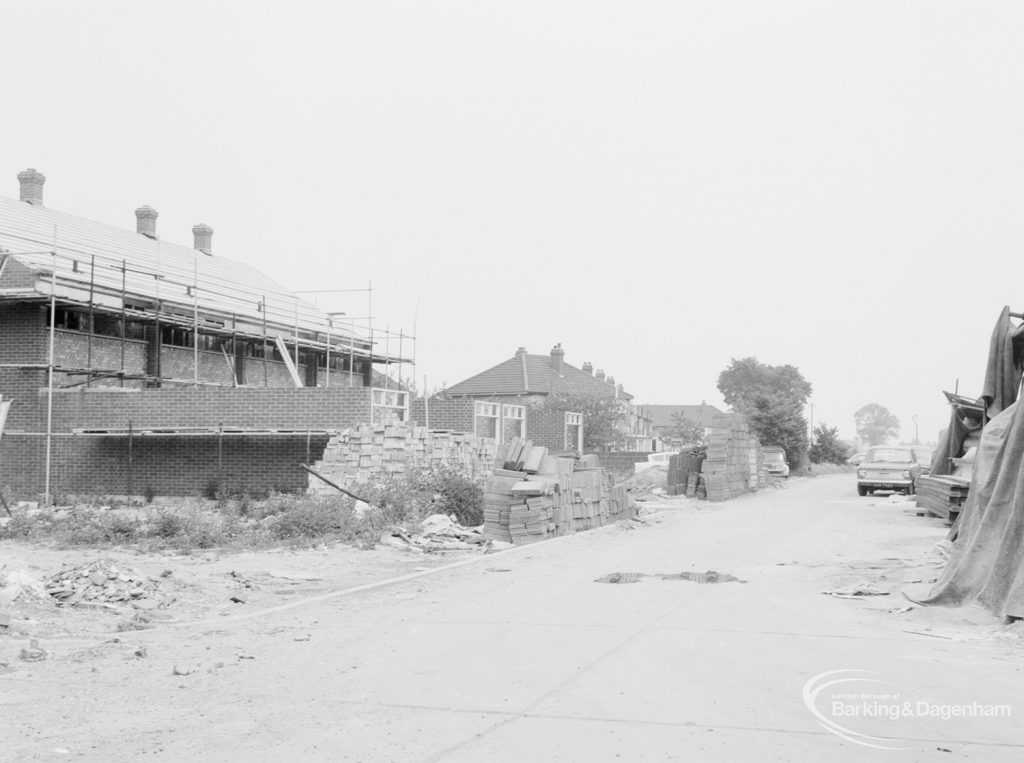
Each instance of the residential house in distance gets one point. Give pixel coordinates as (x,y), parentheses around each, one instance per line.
(666,420)
(134,364)
(507,400)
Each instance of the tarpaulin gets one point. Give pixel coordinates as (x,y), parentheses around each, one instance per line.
(987,561)
(1003,372)
(951,442)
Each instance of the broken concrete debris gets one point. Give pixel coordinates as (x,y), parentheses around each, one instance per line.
(34,652)
(102,585)
(438,532)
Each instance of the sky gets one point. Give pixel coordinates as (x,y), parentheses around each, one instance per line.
(661,187)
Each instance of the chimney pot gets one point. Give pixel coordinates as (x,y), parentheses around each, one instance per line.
(557,356)
(32,186)
(520,351)
(588,368)
(145,221)
(203,234)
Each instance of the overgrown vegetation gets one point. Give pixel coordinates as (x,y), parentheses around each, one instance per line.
(827,448)
(605,419)
(243,521)
(772,398)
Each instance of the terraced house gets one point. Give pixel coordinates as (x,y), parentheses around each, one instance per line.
(134,365)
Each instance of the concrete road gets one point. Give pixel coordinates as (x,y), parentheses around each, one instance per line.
(523,656)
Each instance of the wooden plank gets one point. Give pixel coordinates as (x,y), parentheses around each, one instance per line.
(292,370)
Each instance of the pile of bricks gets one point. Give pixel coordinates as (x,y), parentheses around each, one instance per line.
(100,584)
(367,451)
(734,464)
(561,496)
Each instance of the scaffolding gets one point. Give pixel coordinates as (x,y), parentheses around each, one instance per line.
(160,291)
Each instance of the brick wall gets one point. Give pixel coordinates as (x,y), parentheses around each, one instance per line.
(546,428)
(71,348)
(253,407)
(173,465)
(16,275)
(455,414)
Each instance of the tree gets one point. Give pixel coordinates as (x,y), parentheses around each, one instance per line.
(772,398)
(827,448)
(605,419)
(686,431)
(875,424)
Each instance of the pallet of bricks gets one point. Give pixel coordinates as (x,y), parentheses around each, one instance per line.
(727,468)
(533,495)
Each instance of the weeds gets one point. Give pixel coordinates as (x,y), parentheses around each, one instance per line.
(243,521)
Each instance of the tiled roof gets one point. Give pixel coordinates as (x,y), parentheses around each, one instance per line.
(526,374)
(153,269)
(662,414)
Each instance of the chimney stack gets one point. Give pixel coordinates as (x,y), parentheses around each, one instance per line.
(600,374)
(145,221)
(32,186)
(521,351)
(611,380)
(203,234)
(557,356)
(587,368)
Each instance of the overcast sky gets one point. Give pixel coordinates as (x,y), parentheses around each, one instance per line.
(661,187)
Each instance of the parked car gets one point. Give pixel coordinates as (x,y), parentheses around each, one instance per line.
(924,458)
(654,459)
(775,461)
(888,467)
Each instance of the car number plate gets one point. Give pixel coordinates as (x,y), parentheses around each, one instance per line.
(885,484)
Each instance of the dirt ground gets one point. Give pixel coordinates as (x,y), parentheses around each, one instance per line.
(216,679)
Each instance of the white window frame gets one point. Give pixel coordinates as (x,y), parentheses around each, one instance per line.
(484,409)
(573,419)
(513,413)
(395,401)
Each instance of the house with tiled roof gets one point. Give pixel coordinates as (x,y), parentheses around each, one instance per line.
(665,419)
(508,400)
(135,364)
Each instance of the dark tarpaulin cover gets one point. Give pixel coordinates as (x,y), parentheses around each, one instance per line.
(951,443)
(987,562)
(1003,372)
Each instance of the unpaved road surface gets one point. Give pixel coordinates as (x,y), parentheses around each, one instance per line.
(523,656)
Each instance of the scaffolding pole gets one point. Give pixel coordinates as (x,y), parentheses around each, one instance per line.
(195,321)
(49,372)
(92,287)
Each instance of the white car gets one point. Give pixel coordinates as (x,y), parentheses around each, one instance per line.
(654,459)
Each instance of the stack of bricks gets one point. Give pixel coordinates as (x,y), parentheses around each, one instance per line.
(734,464)
(560,498)
(368,451)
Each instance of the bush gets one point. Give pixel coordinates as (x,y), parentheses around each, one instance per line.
(415,494)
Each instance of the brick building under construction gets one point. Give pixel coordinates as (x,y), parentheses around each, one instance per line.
(134,365)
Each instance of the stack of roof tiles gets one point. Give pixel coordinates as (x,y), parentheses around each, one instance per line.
(548,496)
(367,451)
(734,464)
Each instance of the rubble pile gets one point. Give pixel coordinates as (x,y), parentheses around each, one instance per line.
(437,532)
(100,583)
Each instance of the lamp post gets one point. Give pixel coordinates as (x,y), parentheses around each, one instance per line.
(914,417)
